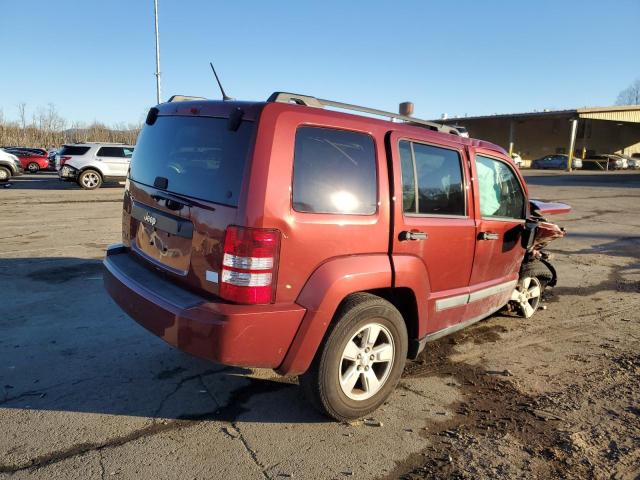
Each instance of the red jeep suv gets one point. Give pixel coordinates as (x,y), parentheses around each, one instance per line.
(287,235)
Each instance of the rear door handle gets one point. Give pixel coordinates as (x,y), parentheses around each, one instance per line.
(412,236)
(488,236)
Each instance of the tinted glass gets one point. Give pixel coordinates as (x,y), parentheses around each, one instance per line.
(111,152)
(73,150)
(440,185)
(500,192)
(408,178)
(199,156)
(334,172)
(128,152)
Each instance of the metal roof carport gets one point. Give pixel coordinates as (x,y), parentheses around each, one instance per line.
(582,130)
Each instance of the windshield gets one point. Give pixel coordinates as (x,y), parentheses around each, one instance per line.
(198,156)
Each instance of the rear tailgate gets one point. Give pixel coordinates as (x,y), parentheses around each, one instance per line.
(185,181)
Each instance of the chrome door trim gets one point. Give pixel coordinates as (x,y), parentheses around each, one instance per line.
(489,291)
(452,302)
(466,298)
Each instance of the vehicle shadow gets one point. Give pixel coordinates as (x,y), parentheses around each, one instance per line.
(66,347)
(47,180)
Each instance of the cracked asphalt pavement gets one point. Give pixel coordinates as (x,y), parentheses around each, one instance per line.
(87,393)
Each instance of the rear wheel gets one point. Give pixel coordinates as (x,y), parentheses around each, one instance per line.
(360,361)
(90,179)
(33,167)
(5,174)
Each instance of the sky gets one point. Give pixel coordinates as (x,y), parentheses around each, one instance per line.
(95,59)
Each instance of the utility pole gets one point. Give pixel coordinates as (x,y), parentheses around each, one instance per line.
(155,12)
(572,144)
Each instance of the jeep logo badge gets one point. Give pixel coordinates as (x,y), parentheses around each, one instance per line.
(149,219)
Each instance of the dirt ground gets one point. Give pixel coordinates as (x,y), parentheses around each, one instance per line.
(86,393)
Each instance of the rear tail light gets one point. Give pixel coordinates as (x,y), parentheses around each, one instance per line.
(249,265)
(63,160)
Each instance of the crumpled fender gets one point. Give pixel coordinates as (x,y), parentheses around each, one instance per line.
(326,288)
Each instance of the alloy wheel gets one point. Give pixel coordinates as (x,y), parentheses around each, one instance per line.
(528,296)
(366,361)
(90,179)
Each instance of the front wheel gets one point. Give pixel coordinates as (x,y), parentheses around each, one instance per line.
(527,297)
(90,180)
(360,361)
(5,174)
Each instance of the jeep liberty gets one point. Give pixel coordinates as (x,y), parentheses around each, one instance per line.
(330,245)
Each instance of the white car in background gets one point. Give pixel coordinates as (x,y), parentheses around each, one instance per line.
(462,131)
(91,164)
(10,166)
(517,159)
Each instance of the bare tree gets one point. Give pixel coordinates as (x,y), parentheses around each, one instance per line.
(630,95)
(22,114)
(48,129)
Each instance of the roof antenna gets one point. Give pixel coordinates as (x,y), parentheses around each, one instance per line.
(225,97)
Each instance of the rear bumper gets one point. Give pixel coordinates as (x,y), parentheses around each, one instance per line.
(241,335)
(67,172)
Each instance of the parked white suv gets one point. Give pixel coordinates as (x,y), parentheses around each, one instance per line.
(91,164)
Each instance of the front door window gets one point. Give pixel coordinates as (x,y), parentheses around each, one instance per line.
(501,195)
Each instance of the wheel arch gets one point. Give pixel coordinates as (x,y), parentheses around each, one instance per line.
(325,290)
(330,286)
(95,168)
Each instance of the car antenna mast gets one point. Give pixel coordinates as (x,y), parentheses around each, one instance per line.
(225,97)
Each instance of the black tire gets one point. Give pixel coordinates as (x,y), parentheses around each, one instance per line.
(90,179)
(536,269)
(5,174)
(33,167)
(321,383)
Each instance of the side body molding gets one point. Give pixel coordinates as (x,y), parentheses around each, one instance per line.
(321,296)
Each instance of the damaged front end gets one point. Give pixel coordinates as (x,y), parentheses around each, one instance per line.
(537,272)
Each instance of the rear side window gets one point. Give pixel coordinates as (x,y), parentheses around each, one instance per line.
(198,157)
(334,172)
(432,182)
(111,152)
(500,192)
(128,152)
(73,150)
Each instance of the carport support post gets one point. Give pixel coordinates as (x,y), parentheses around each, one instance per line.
(572,143)
(512,134)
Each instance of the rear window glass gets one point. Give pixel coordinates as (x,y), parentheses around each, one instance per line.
(334,172)
(73,150)
(111,152)
(199,156)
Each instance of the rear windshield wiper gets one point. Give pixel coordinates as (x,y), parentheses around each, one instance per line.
(172,201)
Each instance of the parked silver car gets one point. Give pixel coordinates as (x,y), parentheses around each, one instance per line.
(91,164)
(633,161)
(607,161)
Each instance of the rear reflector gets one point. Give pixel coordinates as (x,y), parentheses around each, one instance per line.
(249,265)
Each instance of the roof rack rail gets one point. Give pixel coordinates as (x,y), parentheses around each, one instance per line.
(184,98)
(309,101)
